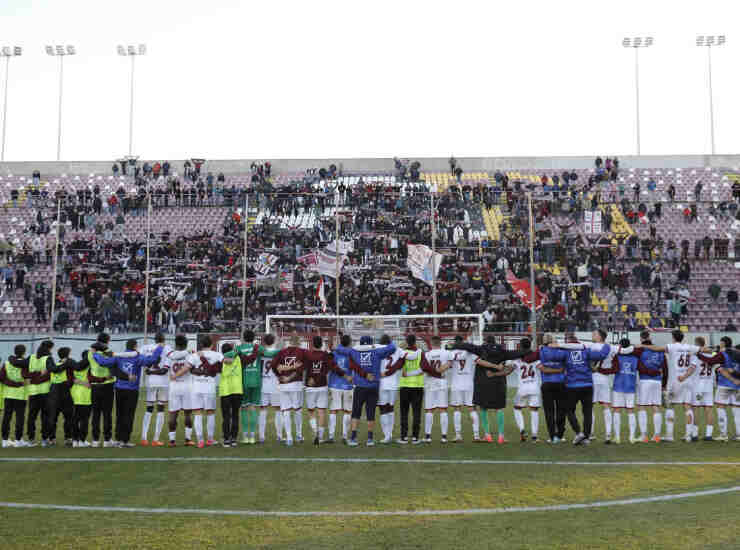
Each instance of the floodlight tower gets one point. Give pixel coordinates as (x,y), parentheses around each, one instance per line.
(7,52)
(709,41)
(61,52)
(132,52)
(637,42)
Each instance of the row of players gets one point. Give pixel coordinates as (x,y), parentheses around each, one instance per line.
(252,379)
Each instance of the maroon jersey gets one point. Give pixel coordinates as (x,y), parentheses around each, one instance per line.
(317,365)
(288,364)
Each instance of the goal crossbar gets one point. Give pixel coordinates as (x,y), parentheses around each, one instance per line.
(350,323)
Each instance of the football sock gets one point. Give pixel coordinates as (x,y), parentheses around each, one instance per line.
(642,420)
(279,424)
(657,422)
(736,417)
(457,421)
(354,435)
(722,421)
(299,423)
(475,419)
(689,423)
(198,425)
(145,425)
(314,425)
(321,433)
(500,421)
(385,424)
(244,420)
(369,436)
(211,426)
(484,421)
(346,421)
(188,433)
(172,435)
(669,416)
(535,420)
(333,425)
(444,421)
(632,421)
(287,425)
(607,422)
(428,423)
(158,426)
(519,417)
(391,420)
(262,423)
(710,429)
(617,420)
(593,420)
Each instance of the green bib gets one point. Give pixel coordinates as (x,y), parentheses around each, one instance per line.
(80,394)
(14,374)
(252,377)
(231,377)
(59,377)
(416,381)
(97,370)
(37,364)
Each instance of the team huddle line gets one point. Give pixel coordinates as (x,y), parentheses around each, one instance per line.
(250,379)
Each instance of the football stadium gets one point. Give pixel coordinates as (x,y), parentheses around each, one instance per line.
(266,344)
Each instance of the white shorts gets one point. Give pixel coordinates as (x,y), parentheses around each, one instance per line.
(680,394)
(205,401)
(460,398)
(650,393)
(703,399)
(317,399)
(532,400)
(341,399)
(387,397)
(157,395)
(435,399)
(180,401)
(271,399)
(623,400)
(726,396)
(291,400)
(602,394)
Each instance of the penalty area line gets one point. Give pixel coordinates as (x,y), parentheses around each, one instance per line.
(362,460)
(278,513)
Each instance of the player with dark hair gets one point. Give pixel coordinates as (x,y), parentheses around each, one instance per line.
(157,392)
(728,387)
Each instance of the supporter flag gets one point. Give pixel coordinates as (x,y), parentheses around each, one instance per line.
(326,263)
(265,263)
(419,261)
(344,247)
(592,222)
(321,295)
(307,259)
(286,281)
(523,290)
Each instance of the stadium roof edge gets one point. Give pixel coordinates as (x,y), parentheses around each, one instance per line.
(375,165)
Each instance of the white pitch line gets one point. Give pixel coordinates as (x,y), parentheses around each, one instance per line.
(277,513)
(350,460)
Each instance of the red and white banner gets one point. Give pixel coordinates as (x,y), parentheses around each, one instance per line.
(523,290)
(320,294)
(326,263)
(419,261)
(286,281)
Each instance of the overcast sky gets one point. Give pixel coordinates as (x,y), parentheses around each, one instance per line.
(329,79)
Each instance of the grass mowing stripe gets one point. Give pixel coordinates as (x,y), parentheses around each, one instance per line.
(349,460)
(472,511)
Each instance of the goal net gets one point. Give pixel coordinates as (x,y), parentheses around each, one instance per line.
(330,327)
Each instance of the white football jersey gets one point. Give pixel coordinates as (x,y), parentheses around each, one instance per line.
(703,377)
(156,380)
(390,383)
(175,361)
(529,377)
(678,356)
(269,378)
(205,384)
(437,358)
(463,370)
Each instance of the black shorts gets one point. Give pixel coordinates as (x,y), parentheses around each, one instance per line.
(367,397)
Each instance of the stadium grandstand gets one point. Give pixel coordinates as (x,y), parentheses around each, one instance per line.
(619,244)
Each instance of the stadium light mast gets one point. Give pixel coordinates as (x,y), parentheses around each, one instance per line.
(7,52)
(636,43)
(131,52)
(709,41)
(60,52)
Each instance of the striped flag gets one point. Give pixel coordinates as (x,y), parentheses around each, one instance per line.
(321,295)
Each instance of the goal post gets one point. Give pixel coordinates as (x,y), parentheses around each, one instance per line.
(467,325)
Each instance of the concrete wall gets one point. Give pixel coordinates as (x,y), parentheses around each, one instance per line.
(370,165)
